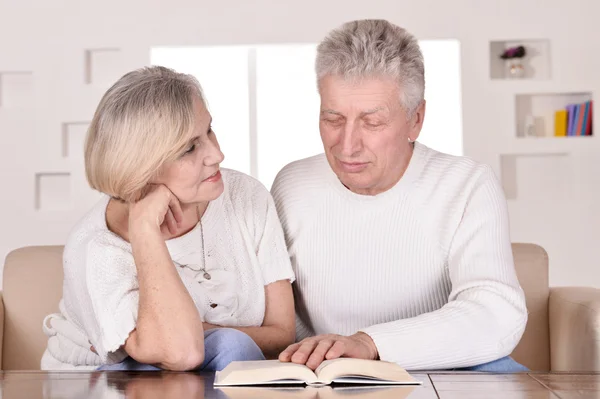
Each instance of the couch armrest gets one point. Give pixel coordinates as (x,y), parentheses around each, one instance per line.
(574,329)
(1,327)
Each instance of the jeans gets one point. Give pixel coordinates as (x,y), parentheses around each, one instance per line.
(221,347)
(502,365)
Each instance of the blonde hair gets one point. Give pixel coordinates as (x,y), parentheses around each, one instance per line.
(374,48)
(143,121)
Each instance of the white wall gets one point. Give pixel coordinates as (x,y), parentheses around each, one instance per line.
(50,39)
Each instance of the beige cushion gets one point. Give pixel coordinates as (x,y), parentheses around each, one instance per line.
(531,264)
(575,327)
(32,289)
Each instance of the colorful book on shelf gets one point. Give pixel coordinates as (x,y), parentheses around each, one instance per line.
(573,130)
(560,123)
(588,124)
(571,122)
(580,118)
(586,110)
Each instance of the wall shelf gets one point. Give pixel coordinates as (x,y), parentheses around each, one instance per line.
(536,61)
(16,89)
(52,191)
(73,139)
(537,110)
(102,66)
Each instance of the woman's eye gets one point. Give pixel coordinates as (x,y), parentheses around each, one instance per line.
(191,149)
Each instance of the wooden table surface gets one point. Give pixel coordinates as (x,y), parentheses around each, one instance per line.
(446,385)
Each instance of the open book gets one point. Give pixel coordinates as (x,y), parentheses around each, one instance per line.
(339,371)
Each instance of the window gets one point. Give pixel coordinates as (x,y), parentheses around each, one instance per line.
(265,104)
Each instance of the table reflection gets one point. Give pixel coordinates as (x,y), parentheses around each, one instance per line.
(165,385)
(328,392)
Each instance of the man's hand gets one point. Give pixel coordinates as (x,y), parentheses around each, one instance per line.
(312,351)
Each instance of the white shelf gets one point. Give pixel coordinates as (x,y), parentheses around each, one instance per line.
(541,107)
(549,145)
(536,60)
(102,66)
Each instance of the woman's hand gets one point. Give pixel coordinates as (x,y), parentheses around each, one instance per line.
(159,210)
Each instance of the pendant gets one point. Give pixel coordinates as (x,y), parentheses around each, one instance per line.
(207,276)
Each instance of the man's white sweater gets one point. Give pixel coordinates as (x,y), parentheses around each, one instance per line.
(425,268)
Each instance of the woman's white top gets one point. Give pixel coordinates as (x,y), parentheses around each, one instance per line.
(239,243)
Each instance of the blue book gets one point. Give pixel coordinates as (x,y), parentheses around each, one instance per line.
(573,132)
(571,112)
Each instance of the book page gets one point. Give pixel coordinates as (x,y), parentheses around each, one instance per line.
(331,370)
(263,372)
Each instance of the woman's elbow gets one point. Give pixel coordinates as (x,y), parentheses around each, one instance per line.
(182,356)
(184,359)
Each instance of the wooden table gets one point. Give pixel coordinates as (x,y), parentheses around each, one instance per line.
(444,385)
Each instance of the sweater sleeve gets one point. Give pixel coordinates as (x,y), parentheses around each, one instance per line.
(113,289)
(486,315)
(112,286)
(271,249)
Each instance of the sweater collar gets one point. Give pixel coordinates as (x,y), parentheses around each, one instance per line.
(412,173)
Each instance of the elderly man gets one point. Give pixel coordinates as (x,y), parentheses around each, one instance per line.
(401,253)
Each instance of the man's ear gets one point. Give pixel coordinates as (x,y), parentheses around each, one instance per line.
(416,122)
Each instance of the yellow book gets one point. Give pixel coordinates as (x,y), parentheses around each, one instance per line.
(560,123)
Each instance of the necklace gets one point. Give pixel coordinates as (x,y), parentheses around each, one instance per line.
(205,274)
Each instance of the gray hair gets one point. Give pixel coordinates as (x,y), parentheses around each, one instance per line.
(375,48)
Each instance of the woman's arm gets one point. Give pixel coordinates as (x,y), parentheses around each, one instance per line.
(278,329)
(169,330)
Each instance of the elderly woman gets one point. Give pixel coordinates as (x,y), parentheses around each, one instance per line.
(420,237)
(183,264)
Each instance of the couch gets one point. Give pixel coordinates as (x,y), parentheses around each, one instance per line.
(562,334)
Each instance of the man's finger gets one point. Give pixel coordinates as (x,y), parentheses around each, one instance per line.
(303,353)
(318,355)
(337,350)
(286,355)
